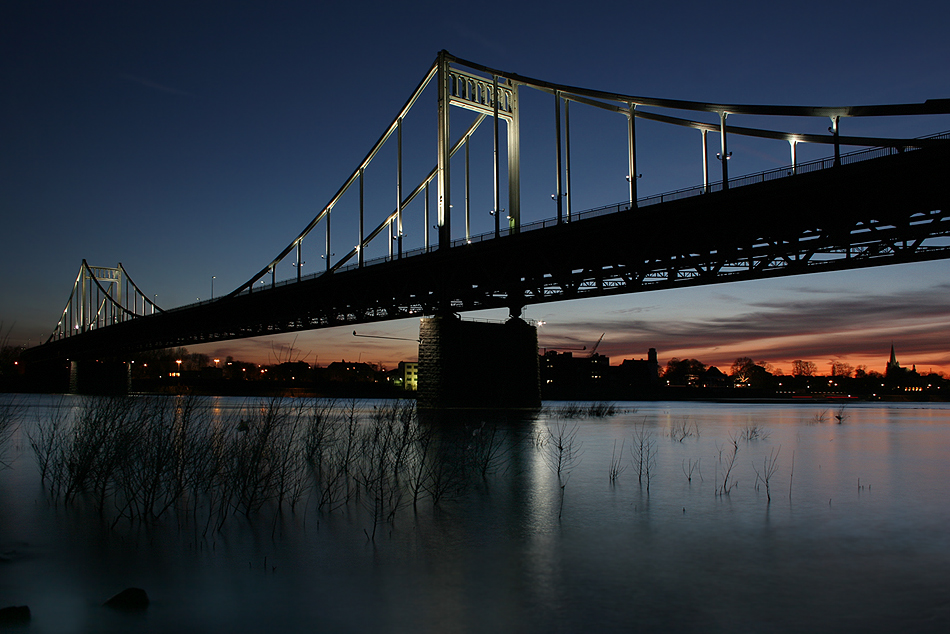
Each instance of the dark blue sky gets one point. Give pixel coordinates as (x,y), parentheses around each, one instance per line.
(191,139)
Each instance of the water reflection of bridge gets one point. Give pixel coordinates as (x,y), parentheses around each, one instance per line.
(878,206)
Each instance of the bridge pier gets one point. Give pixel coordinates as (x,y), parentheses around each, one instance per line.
(477,365)
(89,376)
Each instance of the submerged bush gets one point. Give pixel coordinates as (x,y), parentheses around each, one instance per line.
(593,409)
(9,423)
(754,432)
(139,459)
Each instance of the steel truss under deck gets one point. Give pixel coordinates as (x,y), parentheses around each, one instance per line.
(872,243)
(887,211)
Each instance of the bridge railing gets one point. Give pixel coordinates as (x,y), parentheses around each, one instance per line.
(856,156)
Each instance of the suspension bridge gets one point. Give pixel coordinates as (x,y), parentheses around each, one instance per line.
(882,202)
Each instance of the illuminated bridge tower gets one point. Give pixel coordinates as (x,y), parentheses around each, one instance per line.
(470,364)
(102,298)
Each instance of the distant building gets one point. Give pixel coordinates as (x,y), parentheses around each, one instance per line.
(347,372)
(640,376)
(564,376)
(406,376)
(897,377)
(714,377)
(591,377)
(892,365)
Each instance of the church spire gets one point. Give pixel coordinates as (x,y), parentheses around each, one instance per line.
(893,369)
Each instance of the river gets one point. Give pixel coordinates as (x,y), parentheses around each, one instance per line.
(851,535)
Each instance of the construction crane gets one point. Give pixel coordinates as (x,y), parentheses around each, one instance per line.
(593,350)
(545,350)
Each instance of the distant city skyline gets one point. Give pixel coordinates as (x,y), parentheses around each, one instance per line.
(284,348)
(192,142)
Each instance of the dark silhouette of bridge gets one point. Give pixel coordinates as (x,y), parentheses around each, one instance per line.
(886,204)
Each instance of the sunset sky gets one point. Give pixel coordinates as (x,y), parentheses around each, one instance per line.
(195,139)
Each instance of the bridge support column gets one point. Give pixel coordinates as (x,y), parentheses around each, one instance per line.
(478,365)
(514,164)
(632,154)
(705,165)
(834,130)
(445,154)
(99,377)
(723,155)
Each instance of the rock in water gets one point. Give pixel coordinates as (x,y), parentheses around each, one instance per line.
(15,615)
(129,599)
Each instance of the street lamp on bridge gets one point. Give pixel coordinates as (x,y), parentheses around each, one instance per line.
(212,286)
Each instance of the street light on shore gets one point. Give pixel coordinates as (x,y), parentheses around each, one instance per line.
(212,286)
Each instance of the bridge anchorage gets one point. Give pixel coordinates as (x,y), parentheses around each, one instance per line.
(883,203)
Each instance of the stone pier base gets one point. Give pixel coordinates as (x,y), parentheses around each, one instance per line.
(99,377)
(470,364)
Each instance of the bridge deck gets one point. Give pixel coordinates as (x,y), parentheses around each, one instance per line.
(886,210)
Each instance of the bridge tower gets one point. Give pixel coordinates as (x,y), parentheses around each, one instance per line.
(470,364)
(101,297)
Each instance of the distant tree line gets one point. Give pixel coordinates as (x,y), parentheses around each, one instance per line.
(841,377)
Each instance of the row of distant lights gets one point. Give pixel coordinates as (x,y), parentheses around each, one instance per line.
(216,362)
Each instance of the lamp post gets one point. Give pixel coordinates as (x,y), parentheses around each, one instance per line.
(212,286)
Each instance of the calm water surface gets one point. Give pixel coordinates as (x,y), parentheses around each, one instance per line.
(856,537)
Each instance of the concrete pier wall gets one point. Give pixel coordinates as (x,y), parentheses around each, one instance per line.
(470,364)
(99,377)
